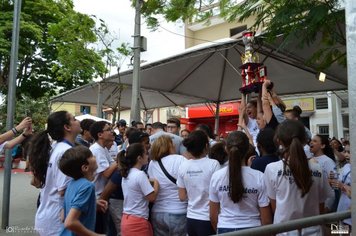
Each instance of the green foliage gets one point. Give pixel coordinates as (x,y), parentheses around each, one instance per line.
(171,10)
(55,48)
(38,110)
(111,56)
(307,21)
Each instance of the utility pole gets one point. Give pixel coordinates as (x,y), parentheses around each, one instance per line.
(136,83)
(11,103)
(350,16)
(99,106)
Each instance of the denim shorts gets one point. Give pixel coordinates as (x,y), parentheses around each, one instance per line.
(167,224)
(227,230)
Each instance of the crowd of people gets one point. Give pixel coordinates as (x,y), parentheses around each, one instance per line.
(156,179)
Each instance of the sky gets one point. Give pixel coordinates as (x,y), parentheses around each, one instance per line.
(119,16)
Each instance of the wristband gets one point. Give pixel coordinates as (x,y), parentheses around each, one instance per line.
(14,130)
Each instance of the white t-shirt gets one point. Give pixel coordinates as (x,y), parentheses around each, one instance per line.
(290,205)
(327,165)
(194,175)
(113,151)
(253,129)
(135,187)
(246,212)
(345,201)
(2,146)
(102,157)
(307,151)
(48,220)
(167,198)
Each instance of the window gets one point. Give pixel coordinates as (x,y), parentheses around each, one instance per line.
(321,103)
(237,30)
(324,129)
(85,109)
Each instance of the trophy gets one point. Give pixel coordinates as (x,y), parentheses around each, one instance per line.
(253,73)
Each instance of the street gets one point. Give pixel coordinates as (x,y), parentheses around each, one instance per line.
(22,204)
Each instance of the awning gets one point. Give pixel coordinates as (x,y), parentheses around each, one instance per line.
(211,74)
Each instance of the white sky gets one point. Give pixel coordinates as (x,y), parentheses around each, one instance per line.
(119,16)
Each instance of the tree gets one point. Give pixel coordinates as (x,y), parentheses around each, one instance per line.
(307,21)
(55,52)
(38,110)
(112,58)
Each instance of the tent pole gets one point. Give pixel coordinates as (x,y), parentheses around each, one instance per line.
(350,16)
(11,103)
(217,118)
(99,105)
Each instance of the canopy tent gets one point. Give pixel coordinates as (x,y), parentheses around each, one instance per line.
(211,73)
(110,92)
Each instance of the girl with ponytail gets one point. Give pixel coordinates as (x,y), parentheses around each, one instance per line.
(237,194)
(296,187)
(193,183)
(137,191)
(44,157)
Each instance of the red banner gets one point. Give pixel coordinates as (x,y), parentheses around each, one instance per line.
(226,109)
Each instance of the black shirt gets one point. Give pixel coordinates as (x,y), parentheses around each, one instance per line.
(260,163)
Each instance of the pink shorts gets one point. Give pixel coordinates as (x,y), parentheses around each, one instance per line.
(133,226)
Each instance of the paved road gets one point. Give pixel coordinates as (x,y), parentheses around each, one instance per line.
(22,204)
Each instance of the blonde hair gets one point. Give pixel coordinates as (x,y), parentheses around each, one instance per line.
(161,147)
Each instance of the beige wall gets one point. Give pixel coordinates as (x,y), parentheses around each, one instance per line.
(212,32)
(58,106)
(73,108)
(159,114)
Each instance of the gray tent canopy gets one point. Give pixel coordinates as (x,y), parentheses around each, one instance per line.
(88,94)
(211,74)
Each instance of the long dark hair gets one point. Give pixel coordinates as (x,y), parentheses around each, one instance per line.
(218,152)
(291,134)
(40,150)
(327,150)
(207,130)
(129,157)
(237,146)
(196,143)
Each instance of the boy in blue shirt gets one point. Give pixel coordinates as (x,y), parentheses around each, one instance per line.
(79,199)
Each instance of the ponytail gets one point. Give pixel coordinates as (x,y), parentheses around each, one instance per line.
(237,145)
(40,150)
(298,164)
(291,134)
(128,158)
(39,155)
(236,189)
